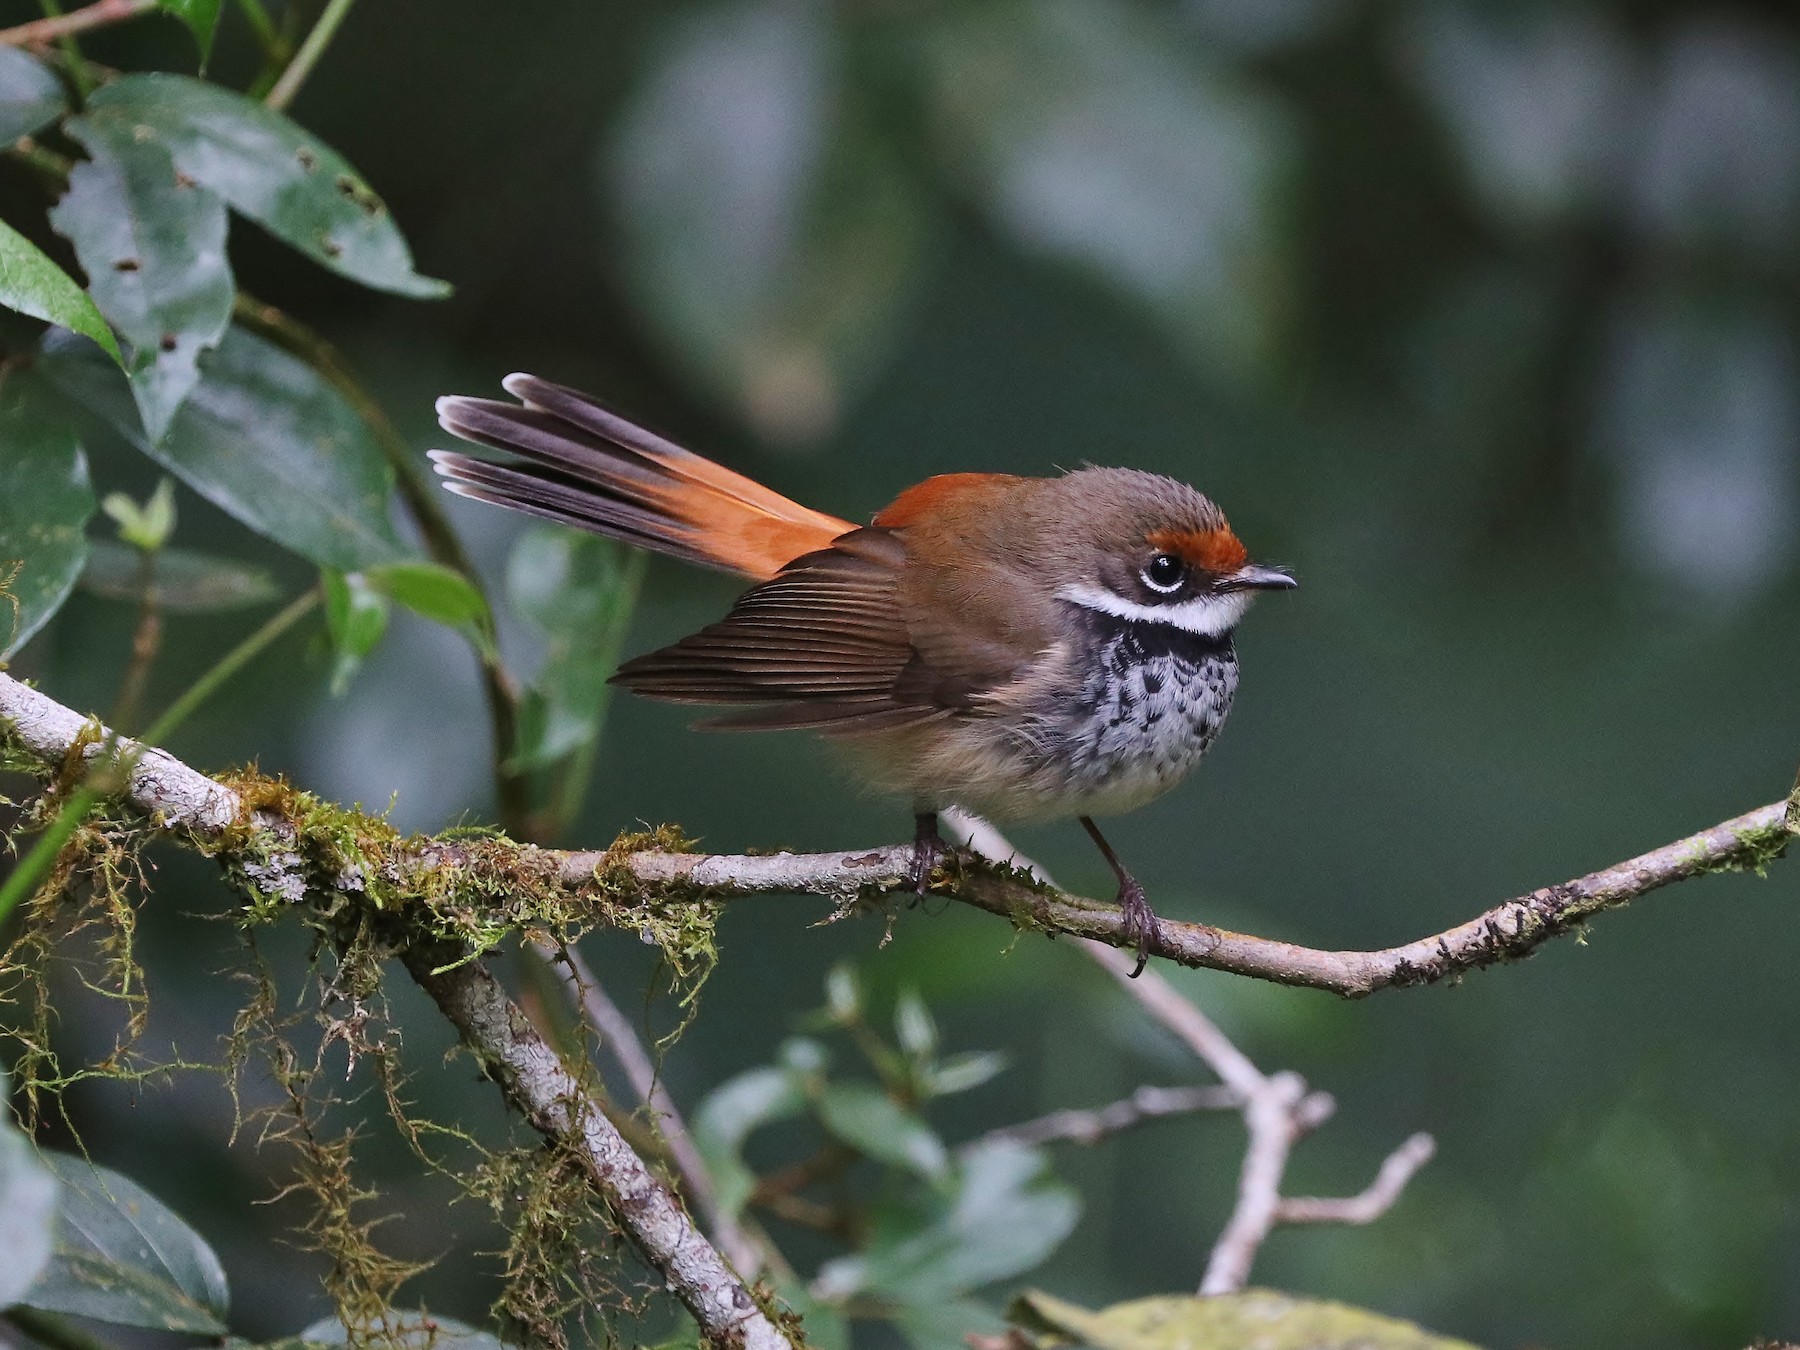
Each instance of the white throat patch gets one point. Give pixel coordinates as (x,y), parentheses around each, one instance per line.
(1209,616)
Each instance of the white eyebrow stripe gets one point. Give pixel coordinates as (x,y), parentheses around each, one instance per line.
(1209,616)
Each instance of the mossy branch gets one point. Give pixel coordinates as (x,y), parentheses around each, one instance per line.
(481,887)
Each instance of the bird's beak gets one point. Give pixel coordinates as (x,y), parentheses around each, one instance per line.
(1256,577)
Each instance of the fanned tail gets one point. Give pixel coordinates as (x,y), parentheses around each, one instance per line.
(585,466)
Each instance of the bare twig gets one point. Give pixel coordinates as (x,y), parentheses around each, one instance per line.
(97,15)
(1090,1127)
(1371,1203)
(619,1039)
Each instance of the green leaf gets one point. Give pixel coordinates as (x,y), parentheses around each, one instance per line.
(288,181)
(185,582)
(1259,1317)
(945,1324)
(773,239)
(727,1116)
(356,617)
(577,590)
(1140,159)
(410,1330)
(28,1193)
(202,20)
(31,284)
(30,96)
(145,527)
(122,1256)
(866,1118)
(265,439)
(45,504)
(436,593)
(962,1072)
(843,993)
(1005,1215)
(153,246)
(913,1025)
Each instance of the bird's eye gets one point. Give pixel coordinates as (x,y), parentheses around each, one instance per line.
(1165,573)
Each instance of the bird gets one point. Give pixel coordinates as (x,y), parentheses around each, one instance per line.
(1024,648)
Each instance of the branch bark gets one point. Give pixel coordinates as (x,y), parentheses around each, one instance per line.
(97,15)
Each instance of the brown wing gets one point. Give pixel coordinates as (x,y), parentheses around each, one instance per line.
(821,645)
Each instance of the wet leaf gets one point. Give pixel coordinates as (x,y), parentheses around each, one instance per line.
(913,1025)
(728,1115)
(1094,133)
(962,1072)
(201,18)
(866,1118)
(45,504)
(578,591)
(153,247)
(1260,1317)
(287,180)
(122,1256)
(31,284)
(185,582)
(30,96)
(770,235)
(1004,1214)
(28,1193)
(265,439)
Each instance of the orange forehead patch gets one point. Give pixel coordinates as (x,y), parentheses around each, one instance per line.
(1210,550)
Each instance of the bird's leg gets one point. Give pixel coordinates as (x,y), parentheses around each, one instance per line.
(1139,920)
(928,847)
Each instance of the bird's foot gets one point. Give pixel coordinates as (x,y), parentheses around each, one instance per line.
(1138,923)
(928,847)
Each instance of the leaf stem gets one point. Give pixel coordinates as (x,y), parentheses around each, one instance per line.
(56,26)
(146,644)
(308,56)
(113,771)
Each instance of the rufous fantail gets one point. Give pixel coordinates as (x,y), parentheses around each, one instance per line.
(1023,648)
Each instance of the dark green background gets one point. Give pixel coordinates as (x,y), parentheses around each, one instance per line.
(1529,435)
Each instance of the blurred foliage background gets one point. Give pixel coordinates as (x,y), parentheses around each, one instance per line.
(1482,317)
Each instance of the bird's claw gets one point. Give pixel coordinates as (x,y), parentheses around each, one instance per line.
(1138,921)
(928,847)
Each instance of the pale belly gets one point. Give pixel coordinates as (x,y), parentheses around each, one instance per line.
(1134,720)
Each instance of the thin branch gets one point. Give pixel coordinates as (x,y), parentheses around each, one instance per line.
(308,56)
(1373,1201)
(559,1107)
(1090,1127)
(619,1039)
(101,13)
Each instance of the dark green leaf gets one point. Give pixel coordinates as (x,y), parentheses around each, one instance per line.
(153,247)
(202,19)
(410,1330)
(435,593)
(288,181)
(945,1324)
(771,238)
(186,583)
(578,590)
(356,617)
(728,1115)
(123,1256)
(45,505)
(1005,1215)
(265,439)
(866,1118)
(1141,159)
(1259,1317)
(30,96)
(27,1208)
(31,284)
